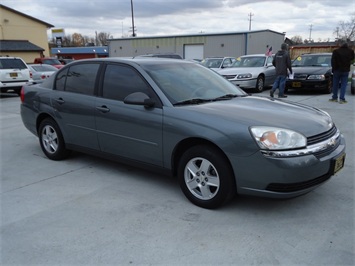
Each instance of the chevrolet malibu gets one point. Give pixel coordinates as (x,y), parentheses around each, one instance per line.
(186,120)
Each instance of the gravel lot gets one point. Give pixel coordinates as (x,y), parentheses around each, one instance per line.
(89,211)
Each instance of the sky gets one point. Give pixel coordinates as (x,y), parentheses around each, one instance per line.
(315,19)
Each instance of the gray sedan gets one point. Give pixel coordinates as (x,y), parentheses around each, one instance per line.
(183,119)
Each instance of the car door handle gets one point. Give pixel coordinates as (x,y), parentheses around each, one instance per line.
(60,100)
(103,109)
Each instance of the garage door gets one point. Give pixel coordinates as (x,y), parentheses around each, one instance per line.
(193,51)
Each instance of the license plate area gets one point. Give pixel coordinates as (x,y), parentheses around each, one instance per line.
(338,163)
(296,84)
(13,75)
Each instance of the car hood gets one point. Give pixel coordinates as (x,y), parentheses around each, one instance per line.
(240,70)
(261,111)
(310,70)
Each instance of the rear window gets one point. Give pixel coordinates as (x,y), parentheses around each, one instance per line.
(14,63)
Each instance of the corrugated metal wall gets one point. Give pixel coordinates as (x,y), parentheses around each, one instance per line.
(229,44)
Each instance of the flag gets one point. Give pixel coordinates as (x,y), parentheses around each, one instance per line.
(268,50)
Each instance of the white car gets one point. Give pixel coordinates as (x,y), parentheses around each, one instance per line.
(218,63)
(41,72)
(14,74)
(251,72)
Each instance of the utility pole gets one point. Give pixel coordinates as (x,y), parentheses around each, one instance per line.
(250,15)
(310,32)
(133,29)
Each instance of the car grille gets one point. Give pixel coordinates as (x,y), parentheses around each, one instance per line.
(300,76)
(292,187)
(321,137)
(229,76)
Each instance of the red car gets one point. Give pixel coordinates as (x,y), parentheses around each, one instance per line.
(49,61)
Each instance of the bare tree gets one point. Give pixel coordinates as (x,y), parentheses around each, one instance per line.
(346,29)
(297,39)
(102,38)
(78,40)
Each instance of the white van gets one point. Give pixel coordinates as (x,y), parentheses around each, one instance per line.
(14,73)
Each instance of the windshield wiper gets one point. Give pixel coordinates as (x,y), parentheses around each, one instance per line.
(192,101)
(226,97)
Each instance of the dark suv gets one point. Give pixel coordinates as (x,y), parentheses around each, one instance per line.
(313,72)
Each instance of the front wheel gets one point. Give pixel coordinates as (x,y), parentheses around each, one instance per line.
(206,177)
(51,140)
(260,83)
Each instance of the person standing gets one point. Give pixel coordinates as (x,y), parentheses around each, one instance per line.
(282,64)
(341,60)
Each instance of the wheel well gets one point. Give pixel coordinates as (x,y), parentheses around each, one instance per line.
(40,118)
(188,143)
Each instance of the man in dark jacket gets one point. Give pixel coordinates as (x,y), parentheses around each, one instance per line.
(341,60)
(282,63)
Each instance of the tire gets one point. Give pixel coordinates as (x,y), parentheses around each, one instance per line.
(329,88)
(206,177)
(260,84)
(51,140)
(352,90)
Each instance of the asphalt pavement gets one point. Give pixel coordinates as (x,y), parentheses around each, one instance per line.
(90,211)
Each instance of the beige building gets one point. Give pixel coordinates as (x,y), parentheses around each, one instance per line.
(22,35)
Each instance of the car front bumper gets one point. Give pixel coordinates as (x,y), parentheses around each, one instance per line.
(244,84)
(307,84)
(286,177)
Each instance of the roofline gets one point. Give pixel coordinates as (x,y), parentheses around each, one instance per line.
(198,34)
(27,16)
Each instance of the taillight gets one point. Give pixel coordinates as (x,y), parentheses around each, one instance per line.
(22,95)
(43,76)
(31,74)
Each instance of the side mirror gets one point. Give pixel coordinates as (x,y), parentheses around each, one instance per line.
(139,98)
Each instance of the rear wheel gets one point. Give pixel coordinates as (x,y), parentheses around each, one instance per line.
(206,177)
(352,90)
(51,140)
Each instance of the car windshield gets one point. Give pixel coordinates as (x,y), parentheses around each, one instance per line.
(212,62)
(52,61)
(44,68)
(191,82)
(250,61)
(12,64)
(312,60)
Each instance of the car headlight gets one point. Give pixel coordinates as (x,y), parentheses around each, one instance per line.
(244,76)
(317,77)
(273,138)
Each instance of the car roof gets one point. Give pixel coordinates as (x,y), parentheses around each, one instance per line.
(250,55)
(138,60)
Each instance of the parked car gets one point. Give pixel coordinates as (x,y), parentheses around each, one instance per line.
(14,73)
(41,72)
(251,72)
(65,61)
(311,72)
(180,118)
(49,61)
(164,55)
(218,63)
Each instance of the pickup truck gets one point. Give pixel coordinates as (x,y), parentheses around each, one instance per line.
(49,61)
